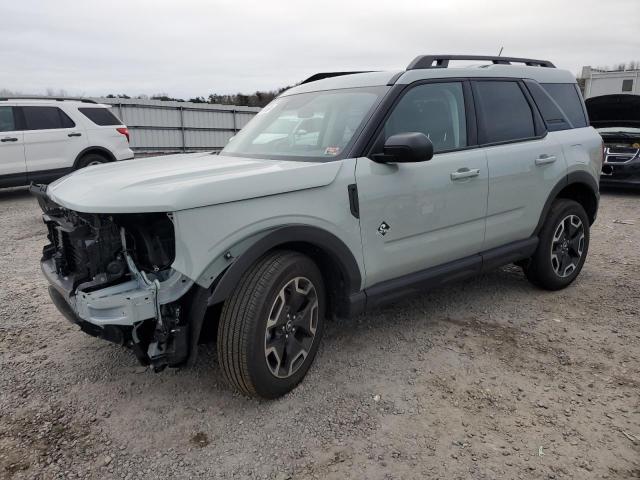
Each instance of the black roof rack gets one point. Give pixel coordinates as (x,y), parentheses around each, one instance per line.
(44,97)
(323,75)
(442,61)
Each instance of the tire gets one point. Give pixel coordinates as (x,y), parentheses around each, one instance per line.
(562,248)
(262,351)
(91,159)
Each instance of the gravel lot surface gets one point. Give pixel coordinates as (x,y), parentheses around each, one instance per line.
(489,378)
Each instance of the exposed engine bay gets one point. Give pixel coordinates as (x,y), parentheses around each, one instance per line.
(91,248)
(106,269)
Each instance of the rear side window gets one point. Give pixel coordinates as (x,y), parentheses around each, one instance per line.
(568,99)
(7,122)
(505,114)
(553,117)
(627,85)
(45,118)
(100,116)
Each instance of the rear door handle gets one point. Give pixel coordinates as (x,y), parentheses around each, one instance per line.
(75,134)
(465,173)
(9,139)
(545,159)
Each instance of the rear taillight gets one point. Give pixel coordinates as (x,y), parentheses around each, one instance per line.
(124,131)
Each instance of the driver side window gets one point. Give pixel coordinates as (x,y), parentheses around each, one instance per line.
(435,109)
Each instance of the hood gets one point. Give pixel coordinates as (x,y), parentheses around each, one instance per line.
(622,110)
(179,182)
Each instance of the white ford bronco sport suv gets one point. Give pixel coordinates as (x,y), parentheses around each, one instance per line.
(346,192)
(44,138)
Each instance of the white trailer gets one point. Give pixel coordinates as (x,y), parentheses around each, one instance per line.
(601,82)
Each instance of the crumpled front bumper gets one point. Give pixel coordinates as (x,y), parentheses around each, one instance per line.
(124,304)
(112,333)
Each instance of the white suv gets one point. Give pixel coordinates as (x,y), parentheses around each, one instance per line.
(42,139)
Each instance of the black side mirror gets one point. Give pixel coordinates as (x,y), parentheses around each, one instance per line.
(407,147)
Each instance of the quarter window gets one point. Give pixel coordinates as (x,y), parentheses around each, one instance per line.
(435,109)
(7,123)
(568,99)
(100,116)
(46,118)
(505,114)
(627,85)
(553,117)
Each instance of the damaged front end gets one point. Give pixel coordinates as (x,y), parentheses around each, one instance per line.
(112,275)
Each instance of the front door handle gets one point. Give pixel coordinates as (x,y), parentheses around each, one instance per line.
(545,159)
(9,139)
(75,134)
(465,173)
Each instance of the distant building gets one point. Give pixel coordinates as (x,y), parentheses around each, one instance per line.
(601,82)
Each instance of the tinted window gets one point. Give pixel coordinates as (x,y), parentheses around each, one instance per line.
(505,114)
(100,116)
(567,97)
(7,123)
(549,109)
(45,118)
(435,109)
(627,85)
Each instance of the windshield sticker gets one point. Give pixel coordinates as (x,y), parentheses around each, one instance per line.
(332,151)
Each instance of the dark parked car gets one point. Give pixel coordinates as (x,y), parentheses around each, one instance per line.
(617,119)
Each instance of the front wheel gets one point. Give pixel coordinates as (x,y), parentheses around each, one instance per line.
(563,246)
(270,327)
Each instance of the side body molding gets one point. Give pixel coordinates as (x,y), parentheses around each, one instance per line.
(292,235)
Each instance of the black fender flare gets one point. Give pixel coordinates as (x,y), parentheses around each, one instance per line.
(314,236)
(580,177)
(100,150)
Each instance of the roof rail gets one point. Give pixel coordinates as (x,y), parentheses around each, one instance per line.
(323,75)
(442,61)
(44,97)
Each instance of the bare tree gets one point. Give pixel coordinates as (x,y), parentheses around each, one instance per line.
(622,67)
(50,92)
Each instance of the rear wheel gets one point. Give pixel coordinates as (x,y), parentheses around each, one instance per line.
(563,246)
(270,327)
(91,159)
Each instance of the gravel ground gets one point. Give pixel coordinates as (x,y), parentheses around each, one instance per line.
(489,378)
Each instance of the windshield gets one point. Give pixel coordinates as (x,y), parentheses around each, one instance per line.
(315,125)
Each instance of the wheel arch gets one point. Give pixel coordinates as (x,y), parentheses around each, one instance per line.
(97,150)
(335,260)
(579,186)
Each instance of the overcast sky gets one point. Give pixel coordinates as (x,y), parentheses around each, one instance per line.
(194,47)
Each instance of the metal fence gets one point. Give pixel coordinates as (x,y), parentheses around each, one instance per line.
(158,127)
